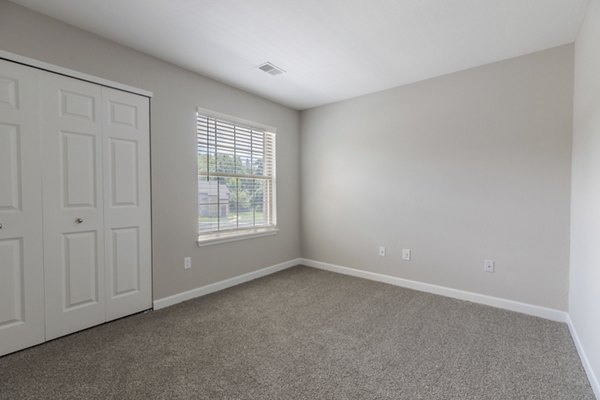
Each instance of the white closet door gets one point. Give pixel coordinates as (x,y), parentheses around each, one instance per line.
(73,204)
(21,268)
(126,130)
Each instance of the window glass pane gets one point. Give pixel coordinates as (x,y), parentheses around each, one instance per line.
(244,152)
(208,217)
(261,203)
(258,143)
(202,163)
(228,203)
(207,205)
(206,145)
(225,162)
(229,157)
(208,190)
(245,202)
(203,144)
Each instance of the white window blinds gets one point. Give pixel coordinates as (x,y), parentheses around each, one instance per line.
(236,172)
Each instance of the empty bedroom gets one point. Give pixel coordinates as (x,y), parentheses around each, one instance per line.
(310,199)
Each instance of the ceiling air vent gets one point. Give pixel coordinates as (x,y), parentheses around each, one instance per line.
(271,69)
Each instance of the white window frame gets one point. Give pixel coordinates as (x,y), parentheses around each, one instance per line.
(205,239)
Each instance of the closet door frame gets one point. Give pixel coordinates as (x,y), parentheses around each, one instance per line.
(32,329)
(71,73)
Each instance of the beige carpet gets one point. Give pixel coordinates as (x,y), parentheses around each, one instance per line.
(307,334)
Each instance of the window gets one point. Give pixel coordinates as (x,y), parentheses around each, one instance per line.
(236,178)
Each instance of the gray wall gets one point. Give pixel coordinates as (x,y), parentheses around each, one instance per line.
(464,167)
(177,92)
(584,293)
(459,168)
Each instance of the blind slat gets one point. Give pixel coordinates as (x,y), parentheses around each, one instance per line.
(236,165)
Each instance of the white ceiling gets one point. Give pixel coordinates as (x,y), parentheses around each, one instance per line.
(331,49)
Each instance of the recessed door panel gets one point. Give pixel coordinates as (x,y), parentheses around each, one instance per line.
(123,114)
(78,164)
(12,288)
(125,261)
(80,269)
(10,167)
(21,266)
(77,105)
(9,91)
(73,205)
(126,131)
(124,172)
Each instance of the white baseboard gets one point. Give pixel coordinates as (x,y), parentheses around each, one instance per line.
(584,359)
(524,308)
(214,287)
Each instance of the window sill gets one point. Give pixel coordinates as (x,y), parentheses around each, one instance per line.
(206,240)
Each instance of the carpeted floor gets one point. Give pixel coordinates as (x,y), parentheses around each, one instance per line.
(307,334)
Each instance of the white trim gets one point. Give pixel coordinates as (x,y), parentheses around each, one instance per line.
(227,283)
(5,55)
(584,359)
(240,121)
(206,240)
(524,308)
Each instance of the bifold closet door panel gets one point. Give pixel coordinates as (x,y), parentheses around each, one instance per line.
(21,264)
(126,130)
(71,115)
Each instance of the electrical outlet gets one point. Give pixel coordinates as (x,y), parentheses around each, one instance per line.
(382,251)
(187,263)
(489,265)
(406,254)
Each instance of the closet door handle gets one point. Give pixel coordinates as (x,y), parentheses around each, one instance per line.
(1,226)
(79,220)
